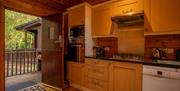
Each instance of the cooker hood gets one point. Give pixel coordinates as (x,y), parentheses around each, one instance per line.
(129,18)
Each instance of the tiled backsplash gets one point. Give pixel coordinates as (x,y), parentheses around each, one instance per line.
(168,43)
(109,42)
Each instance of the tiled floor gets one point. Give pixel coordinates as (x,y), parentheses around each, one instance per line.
(35,77)
(41,87)
(21,81)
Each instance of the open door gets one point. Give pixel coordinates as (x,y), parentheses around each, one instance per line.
(2,85)
(52,51)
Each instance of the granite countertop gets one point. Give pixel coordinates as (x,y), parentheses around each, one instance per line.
(162,63)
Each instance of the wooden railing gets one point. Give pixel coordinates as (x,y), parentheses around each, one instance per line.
(18,62)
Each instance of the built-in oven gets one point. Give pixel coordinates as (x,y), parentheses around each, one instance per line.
(76,32)
(75,53)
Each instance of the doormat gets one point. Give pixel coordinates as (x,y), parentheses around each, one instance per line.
(34,88)
(18,86)
(39,87)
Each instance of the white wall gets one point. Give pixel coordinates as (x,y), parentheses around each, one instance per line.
(88,36)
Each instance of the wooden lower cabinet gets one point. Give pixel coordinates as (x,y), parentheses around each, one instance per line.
(95,84)
(106,75)
(124,76)
(96,74)
(75,73)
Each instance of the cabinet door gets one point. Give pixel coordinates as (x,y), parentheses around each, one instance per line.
(126,6)
(164,15)
(101,20)
(76,16)
(147,15)
(75,73)
(125,76)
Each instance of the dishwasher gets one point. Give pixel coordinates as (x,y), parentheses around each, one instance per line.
(160,78)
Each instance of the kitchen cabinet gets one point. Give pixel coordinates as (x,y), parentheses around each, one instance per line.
(76,16)
(75,73)
(126,6)
(124,76)
(101,20)
(101,15)
(162,15)
(96,74)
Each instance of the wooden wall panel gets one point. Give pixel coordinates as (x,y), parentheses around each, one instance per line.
(162,41)
(2,83)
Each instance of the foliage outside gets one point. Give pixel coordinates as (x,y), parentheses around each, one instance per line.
(15,39)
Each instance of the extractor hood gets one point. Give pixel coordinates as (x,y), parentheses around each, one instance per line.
(129,18)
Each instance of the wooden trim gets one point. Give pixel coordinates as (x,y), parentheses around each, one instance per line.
(162,33)
(79,5)
(2,79)
(51,86)
(104,3)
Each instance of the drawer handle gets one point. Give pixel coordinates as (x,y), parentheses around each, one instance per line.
(97,83)
(97,71)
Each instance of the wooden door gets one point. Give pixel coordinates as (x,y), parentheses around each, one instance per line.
(2,84)
(164,15)
(125,77)
(52,51)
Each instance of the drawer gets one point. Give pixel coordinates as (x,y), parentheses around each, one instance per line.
(96,85)
(95,62)
(98,72)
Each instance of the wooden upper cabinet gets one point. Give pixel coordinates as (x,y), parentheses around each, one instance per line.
(101,20)
(162,15)
(101,15)
(124,76)
(76,16)
(126,6)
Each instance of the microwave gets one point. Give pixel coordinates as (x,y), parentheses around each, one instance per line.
(77,31)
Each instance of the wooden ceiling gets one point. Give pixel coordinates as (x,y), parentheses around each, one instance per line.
(44,7)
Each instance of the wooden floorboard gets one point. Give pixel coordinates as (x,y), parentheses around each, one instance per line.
(71,89)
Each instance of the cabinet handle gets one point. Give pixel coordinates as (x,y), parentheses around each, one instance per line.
(97,71)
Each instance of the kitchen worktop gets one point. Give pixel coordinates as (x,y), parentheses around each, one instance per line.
(170,64)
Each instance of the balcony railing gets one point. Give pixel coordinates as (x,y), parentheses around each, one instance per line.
(18,62)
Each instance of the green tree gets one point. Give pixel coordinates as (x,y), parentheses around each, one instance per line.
(13,38)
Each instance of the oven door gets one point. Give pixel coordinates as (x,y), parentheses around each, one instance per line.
(74,53)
